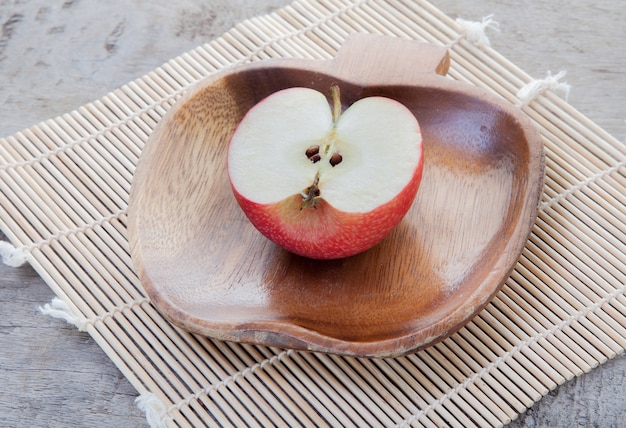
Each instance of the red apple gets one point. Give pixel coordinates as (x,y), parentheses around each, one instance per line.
(320,182)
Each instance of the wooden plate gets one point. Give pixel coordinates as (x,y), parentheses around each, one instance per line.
(209,271)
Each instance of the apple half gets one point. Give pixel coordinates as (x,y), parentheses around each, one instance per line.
(323,183)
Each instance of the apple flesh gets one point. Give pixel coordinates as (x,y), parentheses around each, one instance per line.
(323,183)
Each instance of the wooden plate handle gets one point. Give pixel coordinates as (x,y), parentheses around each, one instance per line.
(372,59)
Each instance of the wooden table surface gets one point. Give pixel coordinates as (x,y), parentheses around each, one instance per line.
(56,56)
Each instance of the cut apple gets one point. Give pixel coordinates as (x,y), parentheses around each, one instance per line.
(323,183)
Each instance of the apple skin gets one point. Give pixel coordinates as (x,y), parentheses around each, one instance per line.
(324,232)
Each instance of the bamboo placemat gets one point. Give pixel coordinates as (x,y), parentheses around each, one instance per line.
(64,188)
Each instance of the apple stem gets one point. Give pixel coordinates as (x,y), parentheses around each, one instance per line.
(335,95)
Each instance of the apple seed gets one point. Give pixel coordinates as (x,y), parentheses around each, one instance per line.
(335,159)
(315,158)
(312,151)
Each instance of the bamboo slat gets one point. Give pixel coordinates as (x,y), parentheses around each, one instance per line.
(64,188)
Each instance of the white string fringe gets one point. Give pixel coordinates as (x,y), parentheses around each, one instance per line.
(12,256)
(156,412)
(59,309)
(476,31)
(534,88)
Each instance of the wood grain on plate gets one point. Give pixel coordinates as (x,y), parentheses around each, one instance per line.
(210,271)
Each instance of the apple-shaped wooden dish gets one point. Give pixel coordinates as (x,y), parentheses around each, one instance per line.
(209,271)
